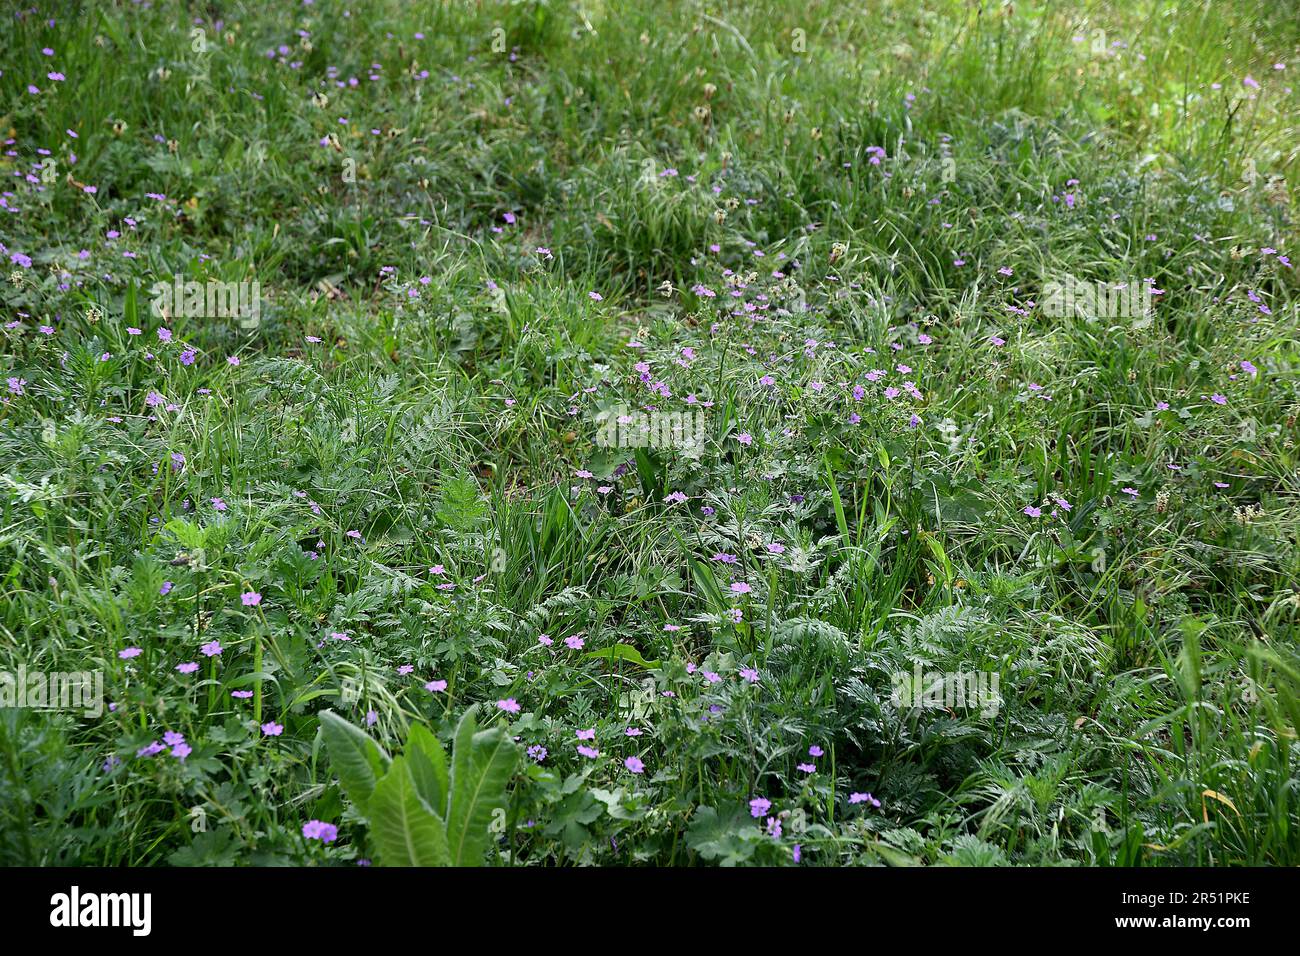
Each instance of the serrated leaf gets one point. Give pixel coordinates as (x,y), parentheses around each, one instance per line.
(187,535)
(730,839)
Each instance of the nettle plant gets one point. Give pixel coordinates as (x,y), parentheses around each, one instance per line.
(423,808)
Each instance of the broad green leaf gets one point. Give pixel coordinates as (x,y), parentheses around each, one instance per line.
(729,839)
(354,756)
(481,765)
(404,829)
(428,762)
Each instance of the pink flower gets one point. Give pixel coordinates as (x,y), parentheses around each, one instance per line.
(591,753)
(251,598)
(634,765)
(272,729)
(436,686)
(509,705)
(759,806)
(316,830)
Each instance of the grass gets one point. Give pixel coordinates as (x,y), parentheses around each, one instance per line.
(476,228)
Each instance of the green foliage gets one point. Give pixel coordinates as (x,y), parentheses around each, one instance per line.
(405,830)
(422,814)
(357,759)
(387,503)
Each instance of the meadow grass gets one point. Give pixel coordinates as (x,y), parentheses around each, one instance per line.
(835,236)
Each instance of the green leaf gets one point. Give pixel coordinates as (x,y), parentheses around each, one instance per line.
(704,580)
(354,756)
(731,839)
(481,765)
(212,848)
(841,521)
(651,473)
(130,308)
(187,535)
(623,652)
(428,762)
(404,829)
(891,856)
(460,503)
